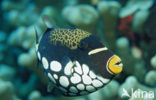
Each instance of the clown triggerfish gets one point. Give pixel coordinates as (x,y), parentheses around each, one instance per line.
(75,61)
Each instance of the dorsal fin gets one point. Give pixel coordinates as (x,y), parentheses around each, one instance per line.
(36,35)
(37,43)
(48,29)
(48,21)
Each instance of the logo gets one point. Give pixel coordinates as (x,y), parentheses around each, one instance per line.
(125,93)
(138,93)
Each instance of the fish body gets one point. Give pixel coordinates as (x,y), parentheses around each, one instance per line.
(76,61)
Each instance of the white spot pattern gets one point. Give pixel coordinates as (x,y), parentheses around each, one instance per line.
(73,89)
(55,76)
(75,78)
(78,68)
(68,68)
(86,79)
(45,63)
(85,69)
(96,83)
(64,81)
(80,86)
(90,88)
(104,80)
(51,77)
(39,55)
(55,66)
(36,47)
(92,75)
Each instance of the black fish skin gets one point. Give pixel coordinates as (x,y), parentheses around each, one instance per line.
(69,48)
(96,62)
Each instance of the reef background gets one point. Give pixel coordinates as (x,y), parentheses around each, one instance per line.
(127,27)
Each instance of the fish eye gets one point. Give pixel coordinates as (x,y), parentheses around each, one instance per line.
(83,45)
(114,65)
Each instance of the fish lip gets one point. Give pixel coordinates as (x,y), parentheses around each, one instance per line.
(114,65)
(119,64)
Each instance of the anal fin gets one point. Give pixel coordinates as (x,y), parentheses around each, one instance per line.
(52,89)
(37,63)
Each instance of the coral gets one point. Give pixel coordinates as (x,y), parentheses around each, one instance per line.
(123,46)
(109,92)
(53,15)
(27,87)
(136,52)
(96,95)
(153,61)
(7,91)
(133,5)
(70,2)
(150,78)
(34,95)
(132,59)
(81,16)
(3,36)
(23,37)
(149,28)
(139,19)
(151,51)
(3,47)
(28,60)
(17,15)
(108,11)
(125,26)
(8,5)
(138,13)
(141,68)
(55,3)
(74,98)
(7,73)
(125,22)
(123,43)
(94,2)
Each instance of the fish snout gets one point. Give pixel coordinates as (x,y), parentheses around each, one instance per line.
(114,65)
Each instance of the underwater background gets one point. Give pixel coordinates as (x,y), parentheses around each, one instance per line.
(127,27)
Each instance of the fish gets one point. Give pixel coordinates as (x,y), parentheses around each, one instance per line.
(76,61)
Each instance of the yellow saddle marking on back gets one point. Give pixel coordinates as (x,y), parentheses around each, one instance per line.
(68,37)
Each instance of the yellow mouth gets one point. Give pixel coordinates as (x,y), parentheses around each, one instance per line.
(114,65)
